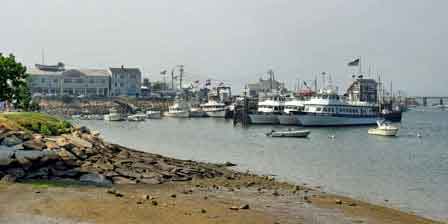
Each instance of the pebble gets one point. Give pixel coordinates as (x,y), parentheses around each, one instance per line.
(203,211)
(155,203)
(339,202)
(245,206)
(173,195)
(234,208)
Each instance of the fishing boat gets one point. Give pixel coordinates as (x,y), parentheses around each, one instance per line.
(268,111)
(179,109)
(214,109)
(384,128)
(289,133)
(137,117)
(113,115)
(291,111)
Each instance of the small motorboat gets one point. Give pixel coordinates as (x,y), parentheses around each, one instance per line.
(290,133)
(384,128)
(137,117)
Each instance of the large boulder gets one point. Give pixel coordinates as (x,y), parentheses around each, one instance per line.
(34,145)
(6,156)
(78,142)
(11,141)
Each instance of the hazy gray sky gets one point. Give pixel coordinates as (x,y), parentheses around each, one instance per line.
(238,40)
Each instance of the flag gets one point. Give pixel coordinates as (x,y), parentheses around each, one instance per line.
(305,84)
(354,62)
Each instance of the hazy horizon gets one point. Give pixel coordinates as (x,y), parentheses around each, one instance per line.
(238,41)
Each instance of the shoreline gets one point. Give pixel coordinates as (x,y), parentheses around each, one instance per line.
(82,156)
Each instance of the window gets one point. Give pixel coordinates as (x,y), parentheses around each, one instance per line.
(121,84)
(91,81)
(67,80)
(79,81)
(318,108)
(55,80)
(121,76)
(42,80)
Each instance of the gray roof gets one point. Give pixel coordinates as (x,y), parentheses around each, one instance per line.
(86,72)
(125,70)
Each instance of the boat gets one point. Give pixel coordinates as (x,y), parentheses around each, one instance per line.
(179,109)
(153,114)
(391,115)
(291,111)
(268,111)
(290,133)
(196,111)
(328,109)
(137,117)
(384,128)
(214,109)
(113,115)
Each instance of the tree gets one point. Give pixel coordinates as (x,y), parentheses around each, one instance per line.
(13,85)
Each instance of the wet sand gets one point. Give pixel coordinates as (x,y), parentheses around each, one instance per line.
(197,201)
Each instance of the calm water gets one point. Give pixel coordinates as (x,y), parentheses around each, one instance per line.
(410,172)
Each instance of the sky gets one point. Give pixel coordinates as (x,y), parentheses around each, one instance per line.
(238,41)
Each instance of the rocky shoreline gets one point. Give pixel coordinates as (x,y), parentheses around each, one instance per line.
(83,156)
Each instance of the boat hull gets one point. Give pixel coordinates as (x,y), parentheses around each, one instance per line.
(331,120)
(288,119)
(290,134)
(197,114)
(383,132)
(180,114)
(264,118)
(109,117)
(154,115)
(218,113)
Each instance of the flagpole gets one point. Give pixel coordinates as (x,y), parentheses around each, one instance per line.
(360,67)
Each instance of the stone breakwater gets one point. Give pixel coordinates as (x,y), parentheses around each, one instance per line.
(83,156)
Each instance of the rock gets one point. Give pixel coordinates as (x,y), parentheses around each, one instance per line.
(8,178)
(95,133)
(114,192)
(150,181)
(94,178)
(66,173)
(122,180)
(41,173)
(353,204)
(16,172)
(173,195)
(337,201)
(275,193)
(203,211)
(78,142)
(84,130)
(11,141)
(24,157)
(51,145)
(146,197)
(250,184)
(6,156)
(245,206)
(154,203)
(33,145)
(229,164)
(234,208)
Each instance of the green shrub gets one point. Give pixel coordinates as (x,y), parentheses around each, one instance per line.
(45,130)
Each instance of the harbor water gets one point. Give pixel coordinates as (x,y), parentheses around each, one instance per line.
(406,172)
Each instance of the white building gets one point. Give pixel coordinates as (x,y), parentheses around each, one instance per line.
(57,81)
(126,81)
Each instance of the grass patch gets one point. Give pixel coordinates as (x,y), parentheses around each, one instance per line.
(35,122)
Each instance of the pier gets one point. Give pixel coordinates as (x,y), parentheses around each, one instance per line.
(423,100)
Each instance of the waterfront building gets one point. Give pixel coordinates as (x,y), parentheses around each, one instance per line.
(264,86)
(56,80)
(126,81)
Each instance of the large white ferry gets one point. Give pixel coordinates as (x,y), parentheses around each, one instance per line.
(292,109)
(328,109)
(214,109)
(268,111)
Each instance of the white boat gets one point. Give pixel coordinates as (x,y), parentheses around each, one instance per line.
(113,115)
(197,112)
(328,109)
(384,128)
(137,117)
(291,112)
(268,111)
(178,109)
(289,133)
(153,114)
(214,109)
